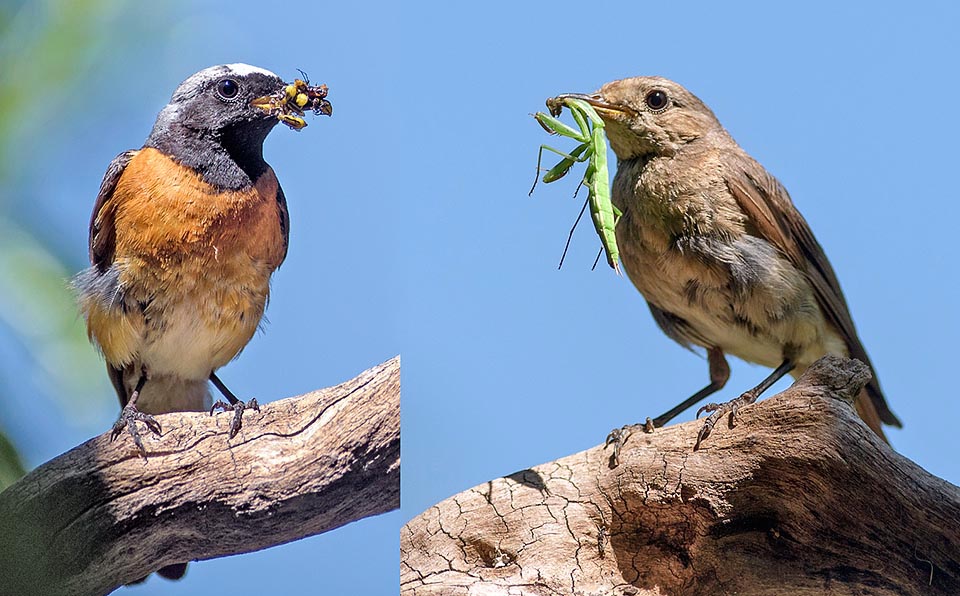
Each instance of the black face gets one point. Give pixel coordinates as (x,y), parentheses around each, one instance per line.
(210,125)
(219,97)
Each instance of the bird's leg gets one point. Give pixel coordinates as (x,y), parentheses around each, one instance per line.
(235,404)
(732,406)
(129,416)
(719,374)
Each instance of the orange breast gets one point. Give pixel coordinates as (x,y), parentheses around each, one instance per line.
(197,261)
(166,212)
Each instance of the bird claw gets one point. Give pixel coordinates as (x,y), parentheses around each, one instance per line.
(238,409)
(617,438)
(718,410)
(710,407)
(128,419)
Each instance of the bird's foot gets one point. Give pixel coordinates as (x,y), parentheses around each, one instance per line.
(128,419)
(650,425)
(717,412)
(617,438)
(238,409)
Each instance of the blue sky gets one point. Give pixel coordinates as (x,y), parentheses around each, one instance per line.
(412,231)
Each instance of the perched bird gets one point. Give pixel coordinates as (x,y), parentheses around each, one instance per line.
(717,248)
(184,236)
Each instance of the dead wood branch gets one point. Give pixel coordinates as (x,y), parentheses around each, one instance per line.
(799,498)
(100,516)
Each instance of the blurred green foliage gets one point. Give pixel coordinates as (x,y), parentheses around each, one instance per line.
(45,46)
(11,468)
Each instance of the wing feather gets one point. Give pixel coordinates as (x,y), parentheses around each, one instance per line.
(102,236)
(768,206)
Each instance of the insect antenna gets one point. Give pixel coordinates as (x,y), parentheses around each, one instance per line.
(597,260)
(537,177)
(570,235)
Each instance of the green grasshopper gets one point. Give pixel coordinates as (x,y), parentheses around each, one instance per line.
(593,149)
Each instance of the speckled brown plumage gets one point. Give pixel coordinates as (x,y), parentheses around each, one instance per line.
(714,243)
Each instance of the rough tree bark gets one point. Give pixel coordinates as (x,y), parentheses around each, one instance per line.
(799,498)
(100,516)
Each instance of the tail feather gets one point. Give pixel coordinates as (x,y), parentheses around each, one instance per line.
(867,410)
(175,571)
(880,403)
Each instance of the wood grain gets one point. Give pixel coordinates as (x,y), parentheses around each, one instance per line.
(100,516)
(799,498)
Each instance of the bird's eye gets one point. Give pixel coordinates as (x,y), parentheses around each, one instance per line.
(657,100)
(228,88)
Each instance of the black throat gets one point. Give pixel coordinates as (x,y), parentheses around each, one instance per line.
(228,159)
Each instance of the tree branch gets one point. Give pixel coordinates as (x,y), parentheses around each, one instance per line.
(799,498)
(100,515)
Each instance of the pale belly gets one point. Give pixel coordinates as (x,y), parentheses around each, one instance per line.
(183,336)
(197,337)
(807,337)
(180,323)
(739,296)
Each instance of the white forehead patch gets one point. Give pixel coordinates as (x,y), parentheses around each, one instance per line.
(242,70)
(194,85)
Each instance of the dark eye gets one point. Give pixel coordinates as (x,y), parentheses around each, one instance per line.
(228,88)
(657,100)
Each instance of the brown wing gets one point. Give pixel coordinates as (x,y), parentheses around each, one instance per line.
(102,242)
(284,221)
(102,236)
(768,205)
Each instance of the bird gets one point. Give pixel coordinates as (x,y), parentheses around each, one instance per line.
(718,250)
(184,237)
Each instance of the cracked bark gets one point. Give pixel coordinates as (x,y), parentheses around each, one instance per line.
(799,498)
(100,516)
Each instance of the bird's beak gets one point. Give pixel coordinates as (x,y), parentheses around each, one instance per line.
(265,103)
(605,109)
(289,103)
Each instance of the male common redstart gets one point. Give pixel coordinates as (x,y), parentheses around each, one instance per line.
(184,236)
(716,247)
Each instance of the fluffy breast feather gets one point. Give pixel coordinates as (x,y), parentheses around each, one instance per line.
(191,270)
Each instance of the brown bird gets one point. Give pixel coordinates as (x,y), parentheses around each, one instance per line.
(717,248)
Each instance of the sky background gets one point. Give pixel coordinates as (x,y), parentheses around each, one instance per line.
(412,231)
